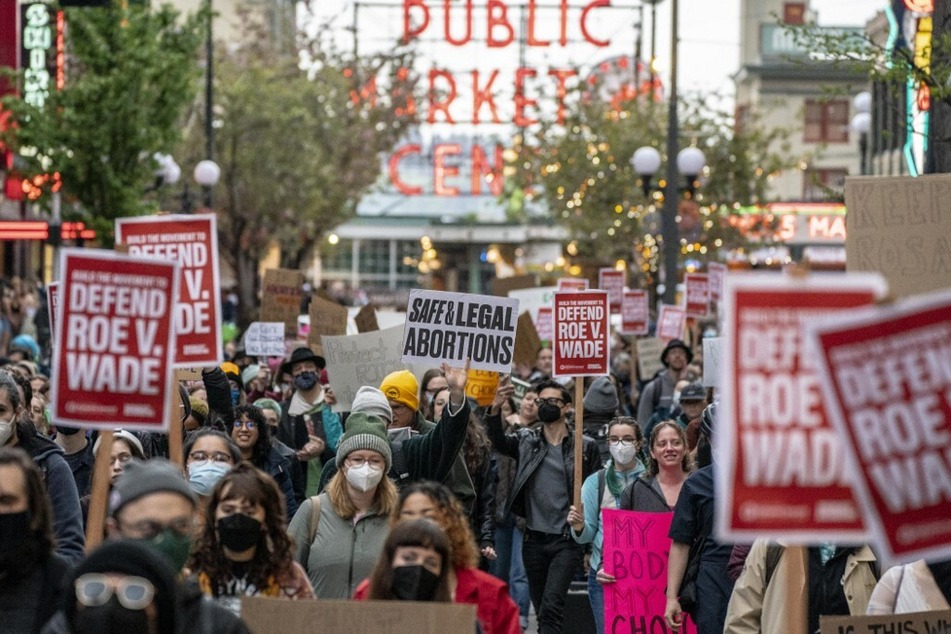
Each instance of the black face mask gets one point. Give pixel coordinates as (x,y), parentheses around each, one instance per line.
(111,618)
(548,412)
(20,553)
(414,583)
(238,532)
(305,380)
(67,431)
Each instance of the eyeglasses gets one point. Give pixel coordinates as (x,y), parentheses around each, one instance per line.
(133,593)
(550,401)
(246,424)
(356,463)
(149,529)
(622,442)
(201,456)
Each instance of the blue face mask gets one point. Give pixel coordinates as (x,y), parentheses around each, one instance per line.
(204,475)
(235,396)
(305,380)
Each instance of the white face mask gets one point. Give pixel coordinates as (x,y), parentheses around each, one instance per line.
(623,454)
(364,477)
(6,431)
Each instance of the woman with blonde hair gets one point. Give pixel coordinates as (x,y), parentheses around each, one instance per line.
(339,534)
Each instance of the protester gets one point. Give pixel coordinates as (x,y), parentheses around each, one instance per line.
(667,470)
(271,410)
(600,408)
(209,454)
(920,586)
(414,566)
(39,413)
(125,448)
(440,400)
(543,364)
(528,409)
(541,493)
(199,413)
(689,404)
(235,385)
(339,534)
(656,399)
(244,549)
(602,490)
(77,452)
(31,575)
(482,464)
(252,435)
(433,381)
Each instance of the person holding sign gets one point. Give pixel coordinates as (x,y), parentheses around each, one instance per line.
(603,490)
(541,493)
(657,396)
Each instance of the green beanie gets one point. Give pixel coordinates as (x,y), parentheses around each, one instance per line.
(364,432)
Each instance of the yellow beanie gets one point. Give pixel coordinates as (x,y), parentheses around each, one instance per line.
(402,387)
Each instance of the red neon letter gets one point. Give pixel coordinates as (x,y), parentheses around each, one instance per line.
(441,170)
(482,96)
(531,27)
(445,103)
(446,13)
(560,92)
(394,170)
(408,31)
(521,101)
(481,168)
(501,20)
(584,19)
(563,38)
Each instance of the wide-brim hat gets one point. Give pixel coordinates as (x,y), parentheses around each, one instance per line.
(303,354)
(673,344)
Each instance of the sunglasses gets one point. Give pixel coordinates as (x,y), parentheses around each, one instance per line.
(133,593)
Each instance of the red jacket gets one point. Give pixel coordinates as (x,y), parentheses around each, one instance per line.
(496,611)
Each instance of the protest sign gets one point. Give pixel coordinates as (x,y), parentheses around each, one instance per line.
(886,377)
(52,302)
(697,294)
(281,297)
(671,321)
(612,281)
(572,284)
(521,389)
(545,323)
(635,550)
(192,242)
(327,318)
(908,623)
(265,614)
(482,385)
(527,342)
(452,327)
(635,313)
(899,226)
(781,464)
(531,299)
(712,349)
(265,339)
(717,273)
(649,350)
(501,286)
(580,344)
(112,367)
(357,360)
(365,319)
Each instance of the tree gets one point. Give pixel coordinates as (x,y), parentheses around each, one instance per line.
(130,76)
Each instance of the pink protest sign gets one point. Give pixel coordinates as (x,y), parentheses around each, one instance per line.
(573,284)
(671,322)
(635,551)
(545,323)
(612,281)
(635,313)
(697,294)
(580,344)
(717,272)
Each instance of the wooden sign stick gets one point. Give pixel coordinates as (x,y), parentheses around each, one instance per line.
(96,523)
(579,440)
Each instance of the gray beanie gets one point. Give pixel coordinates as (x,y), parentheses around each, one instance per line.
(144,478)
(601,397)
(364,432)
(372,401)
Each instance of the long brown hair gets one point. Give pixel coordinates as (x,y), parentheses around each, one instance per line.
(450,517)
(41,517)
(384,500)
(419,533)
(653,468)
(273,557)
(477,447)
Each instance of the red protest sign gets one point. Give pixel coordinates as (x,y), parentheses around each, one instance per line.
(612,281)
(781,466)
(697,294)
(580,342)
(886,376)
(113,362)
(635,313)
(545,323)
(716,272)
(52,301)
(192,241)
(573,284)
(671,321)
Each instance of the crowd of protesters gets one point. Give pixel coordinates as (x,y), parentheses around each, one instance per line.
(417,493)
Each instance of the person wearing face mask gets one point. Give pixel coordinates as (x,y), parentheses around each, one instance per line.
(541,493)
(77,451)
(602,490)
(209,454)
(414,566)
(339,534)
(244,549)
(31,575)
(600,407)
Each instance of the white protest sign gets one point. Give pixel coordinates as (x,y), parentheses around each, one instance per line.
(265,339)
(533,299)
(711,361)
(649,350)
(357,360)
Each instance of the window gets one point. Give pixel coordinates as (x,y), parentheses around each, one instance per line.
(823,184)
(794,13)
(827,121)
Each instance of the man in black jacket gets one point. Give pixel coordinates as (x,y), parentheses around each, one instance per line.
(542,492)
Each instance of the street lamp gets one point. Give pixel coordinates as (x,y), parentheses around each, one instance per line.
(206,174)
(861,124)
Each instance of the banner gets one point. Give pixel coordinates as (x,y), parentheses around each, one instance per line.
(580,344)
(113,362)
(635,313)
(52,305)
(697,294)
(265,339)
(357,360)
(886,377)
(281,297)
(635,551)
(192,242)
(938,621)
(712,351)
(453,327)
(648,357)
(572,284)
(612,281)
(781,464)
(716,272)
(671,321)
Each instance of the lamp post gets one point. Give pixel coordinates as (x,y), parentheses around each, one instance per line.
(209,114)
(206,174)
(861,124)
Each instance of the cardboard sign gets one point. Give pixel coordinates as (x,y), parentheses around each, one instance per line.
(545,323)
(357,360)
(501,286)
(580,345)
(52,305)
(636,547)
(264,614)
(697,294)
(573,284)
(482,385)
(612,281)
(671,321)
(281,297)
(716,272)
(453,327)
(712,351)
(113,364)
(365,319)
(899,226)
(265,339)
(648,356)
(886,377)
(909,623)
(328,319)
(635,313)
(527,342)
(192,242)
(781,464)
